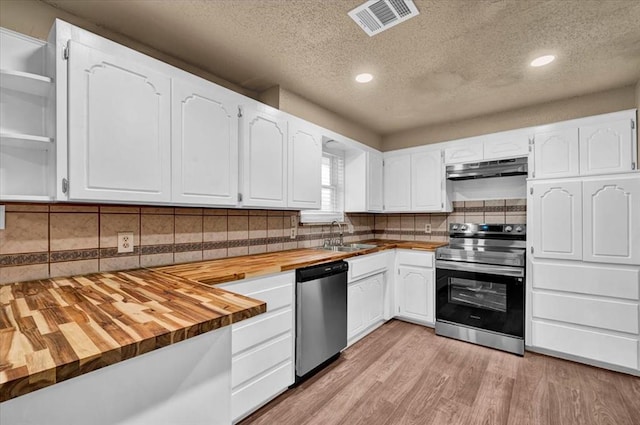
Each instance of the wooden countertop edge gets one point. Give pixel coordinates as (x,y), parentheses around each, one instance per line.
(29,382)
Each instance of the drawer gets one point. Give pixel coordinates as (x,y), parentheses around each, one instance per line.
(609,281)
(255,394)
(588,344)
(614,315)
(367,265)
(249,365)
(255,331)
(414,258)
(249,287)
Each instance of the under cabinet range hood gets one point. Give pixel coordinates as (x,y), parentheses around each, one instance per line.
(487,169)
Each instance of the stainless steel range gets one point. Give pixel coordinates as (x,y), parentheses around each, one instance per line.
(480,285)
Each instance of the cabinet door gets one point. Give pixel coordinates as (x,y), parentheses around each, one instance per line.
(374,182)
(397,183)
(204,144)
(468,151)
(557,220)
(426,181)
(611,209)
(264,144)
(305,165)
(556,154)
(606,148)
(355,309)
(506,147)
(374,297)
(119,129)
(416,293)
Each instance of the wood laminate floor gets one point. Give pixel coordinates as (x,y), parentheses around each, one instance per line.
(405,374)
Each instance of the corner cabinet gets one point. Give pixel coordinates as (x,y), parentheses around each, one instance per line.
(204,143)
(415,290)
(119,128)
(363,181)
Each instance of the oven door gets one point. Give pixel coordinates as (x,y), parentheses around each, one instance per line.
(481,296)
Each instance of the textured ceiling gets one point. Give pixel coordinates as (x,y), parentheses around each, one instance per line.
(457,59)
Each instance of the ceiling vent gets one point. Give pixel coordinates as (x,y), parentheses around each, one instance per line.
(376,16)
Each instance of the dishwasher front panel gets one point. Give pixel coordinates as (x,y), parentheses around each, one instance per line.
(321,313)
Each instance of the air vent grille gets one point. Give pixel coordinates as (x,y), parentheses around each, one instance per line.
(375,16)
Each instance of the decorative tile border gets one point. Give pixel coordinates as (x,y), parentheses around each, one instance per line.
(73,255)
(7,260)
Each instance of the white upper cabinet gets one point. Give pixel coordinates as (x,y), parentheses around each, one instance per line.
(374,181)
(305,165)
(511,146)
(556,230)
(119,129)
(426,181)
(612,220)
(468,151)
(607,148)
(556,154)
(204,143)
(264,157)
(363,181)
(397,183)
(603,144)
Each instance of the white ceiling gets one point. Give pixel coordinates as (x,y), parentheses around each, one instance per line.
(457,59)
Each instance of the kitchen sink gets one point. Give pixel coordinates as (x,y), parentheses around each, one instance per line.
(349,247)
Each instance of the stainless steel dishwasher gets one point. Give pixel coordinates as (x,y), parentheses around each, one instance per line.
(321,315)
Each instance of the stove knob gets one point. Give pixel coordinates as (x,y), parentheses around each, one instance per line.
(463,227)
(454,227)
(519,229)
(508,228)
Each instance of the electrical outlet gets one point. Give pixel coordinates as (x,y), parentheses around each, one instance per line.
(294,221)
(125,242)
(350,228)
(294,232)
(2,217)
(427,228)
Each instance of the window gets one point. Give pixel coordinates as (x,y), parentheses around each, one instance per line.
(332,192)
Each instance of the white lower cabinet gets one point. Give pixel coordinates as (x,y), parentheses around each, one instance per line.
(414,287)
(263,347)
(369,296)
(586,312)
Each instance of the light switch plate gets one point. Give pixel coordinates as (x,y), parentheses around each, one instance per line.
(2,209)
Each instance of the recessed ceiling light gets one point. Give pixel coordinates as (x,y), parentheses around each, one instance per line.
(543,60)
(364,78)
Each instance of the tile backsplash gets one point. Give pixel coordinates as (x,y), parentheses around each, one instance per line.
(50,240)
(412,226)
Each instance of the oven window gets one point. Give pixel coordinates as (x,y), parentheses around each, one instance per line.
(480,294)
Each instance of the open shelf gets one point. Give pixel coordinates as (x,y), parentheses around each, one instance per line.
(25,82)
(20,140)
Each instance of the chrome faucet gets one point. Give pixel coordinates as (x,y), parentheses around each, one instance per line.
(339,242)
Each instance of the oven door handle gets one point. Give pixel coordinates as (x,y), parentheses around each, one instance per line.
(480,268)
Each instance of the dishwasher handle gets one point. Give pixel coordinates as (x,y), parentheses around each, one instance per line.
(322,270)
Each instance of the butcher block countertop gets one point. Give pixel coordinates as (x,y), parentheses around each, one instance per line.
(55,329)
(230,269)
(59,328)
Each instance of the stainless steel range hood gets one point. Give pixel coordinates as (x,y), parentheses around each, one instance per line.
(487,169)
